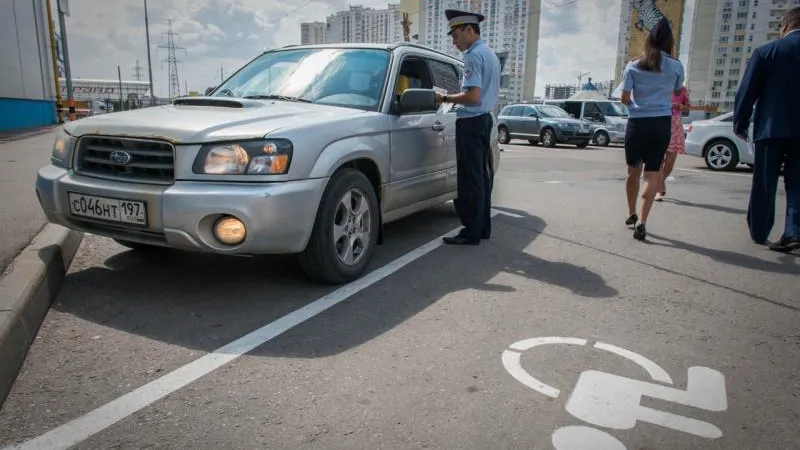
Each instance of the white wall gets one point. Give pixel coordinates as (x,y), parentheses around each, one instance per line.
(25,62)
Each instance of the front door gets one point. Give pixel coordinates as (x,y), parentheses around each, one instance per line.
(419,152)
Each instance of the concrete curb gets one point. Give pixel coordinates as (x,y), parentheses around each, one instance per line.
(26,291)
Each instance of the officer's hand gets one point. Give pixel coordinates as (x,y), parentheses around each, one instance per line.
(439,98)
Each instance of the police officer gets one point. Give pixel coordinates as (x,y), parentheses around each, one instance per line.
(480,86)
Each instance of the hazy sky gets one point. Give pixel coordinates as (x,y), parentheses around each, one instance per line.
(576,36)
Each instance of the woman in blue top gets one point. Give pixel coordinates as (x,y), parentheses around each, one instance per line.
(647,87)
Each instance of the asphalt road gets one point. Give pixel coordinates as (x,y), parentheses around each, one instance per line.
(21,218)
(560,332)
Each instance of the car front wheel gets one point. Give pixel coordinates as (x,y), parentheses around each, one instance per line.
(502,135)
(345,230)
(548,138)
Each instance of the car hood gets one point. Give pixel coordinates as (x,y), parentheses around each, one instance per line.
(206,119)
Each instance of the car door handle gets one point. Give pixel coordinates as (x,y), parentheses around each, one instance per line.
(438,126)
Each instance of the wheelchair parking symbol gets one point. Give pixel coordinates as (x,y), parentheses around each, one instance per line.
(614,402)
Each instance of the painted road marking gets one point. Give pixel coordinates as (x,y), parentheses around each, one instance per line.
(711,172)
(81,428)
(612,401)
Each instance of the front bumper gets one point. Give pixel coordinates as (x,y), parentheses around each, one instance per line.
(616,137)
(279,216)
(573,136)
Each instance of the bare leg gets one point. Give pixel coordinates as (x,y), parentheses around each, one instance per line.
(651,183)
(666,170)
(632,187)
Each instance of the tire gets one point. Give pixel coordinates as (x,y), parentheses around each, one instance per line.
(721,155)
(548,138)
(322,259)
(601,139)
(502,135)
(582,145)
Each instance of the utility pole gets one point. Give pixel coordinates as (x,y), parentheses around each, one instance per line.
(149,62)
(67,72)
(53,54)
(221,75)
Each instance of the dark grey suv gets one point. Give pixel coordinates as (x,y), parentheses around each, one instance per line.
(547,124)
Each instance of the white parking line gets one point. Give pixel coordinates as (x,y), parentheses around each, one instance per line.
(83,427)
(711,172)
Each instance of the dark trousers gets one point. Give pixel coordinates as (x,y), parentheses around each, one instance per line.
(769,156)
(473,161)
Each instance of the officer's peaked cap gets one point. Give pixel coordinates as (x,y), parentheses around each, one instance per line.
(456,18)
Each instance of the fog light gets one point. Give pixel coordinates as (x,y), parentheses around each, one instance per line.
(230,230)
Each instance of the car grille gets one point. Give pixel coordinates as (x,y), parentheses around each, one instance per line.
(124,159)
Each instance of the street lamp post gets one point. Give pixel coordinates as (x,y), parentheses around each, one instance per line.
(67,72)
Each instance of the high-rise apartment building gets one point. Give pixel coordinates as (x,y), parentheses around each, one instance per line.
(360,25)
(724,35)
(312,33)
(511,29)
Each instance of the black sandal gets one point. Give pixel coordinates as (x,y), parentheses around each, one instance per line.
(632,220)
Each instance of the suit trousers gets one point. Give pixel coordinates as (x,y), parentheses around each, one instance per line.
(770,155)
(474,176)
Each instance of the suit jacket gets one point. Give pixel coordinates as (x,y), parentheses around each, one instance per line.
(771,84)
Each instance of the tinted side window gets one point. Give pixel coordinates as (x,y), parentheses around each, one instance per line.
(445,76)
(590,110)
(506,111)
(573,108)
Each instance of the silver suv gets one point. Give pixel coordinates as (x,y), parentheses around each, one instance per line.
(306,150)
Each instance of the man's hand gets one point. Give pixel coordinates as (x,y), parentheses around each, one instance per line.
(439,98)
(742,135)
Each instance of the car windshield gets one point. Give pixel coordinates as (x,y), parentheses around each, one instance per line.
(615,109)
(551,111)
(352,78)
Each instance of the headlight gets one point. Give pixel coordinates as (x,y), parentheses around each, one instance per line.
(61,149)
(263,157)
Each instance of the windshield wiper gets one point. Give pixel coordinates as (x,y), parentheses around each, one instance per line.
(277,97)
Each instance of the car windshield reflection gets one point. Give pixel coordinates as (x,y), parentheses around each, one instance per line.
(352,78)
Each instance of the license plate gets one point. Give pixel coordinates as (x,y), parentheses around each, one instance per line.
(108,209)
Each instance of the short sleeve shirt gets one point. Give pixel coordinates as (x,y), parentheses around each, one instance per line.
(481,69)
(652,91)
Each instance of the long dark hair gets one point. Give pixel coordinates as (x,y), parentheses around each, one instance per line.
(659,39)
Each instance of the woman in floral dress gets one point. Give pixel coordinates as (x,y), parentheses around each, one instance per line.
(677,143)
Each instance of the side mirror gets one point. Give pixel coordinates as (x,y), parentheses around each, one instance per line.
(572,115)
(209,90)
(598,117)
(534,115)
(417,100)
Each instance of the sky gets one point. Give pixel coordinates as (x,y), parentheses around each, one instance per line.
(576,36)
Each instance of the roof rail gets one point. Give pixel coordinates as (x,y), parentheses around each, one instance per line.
(422,47)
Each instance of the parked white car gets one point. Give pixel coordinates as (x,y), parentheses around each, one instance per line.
(715,142)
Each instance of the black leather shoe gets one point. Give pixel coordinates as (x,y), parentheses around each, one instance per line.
(786,245)
(460,240)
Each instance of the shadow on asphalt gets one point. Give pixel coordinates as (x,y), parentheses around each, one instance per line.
(708,206)
(203,301)
(786,266)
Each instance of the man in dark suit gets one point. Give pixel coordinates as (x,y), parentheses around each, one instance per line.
(772,79)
